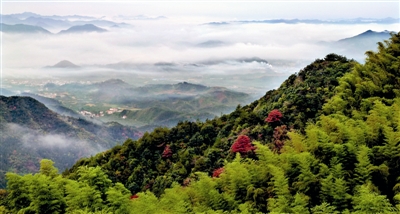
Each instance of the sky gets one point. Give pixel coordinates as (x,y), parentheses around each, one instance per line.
(215,10)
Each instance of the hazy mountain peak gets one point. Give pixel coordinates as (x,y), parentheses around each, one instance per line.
(114,81)
(369,34)
(83,28)
(65,64)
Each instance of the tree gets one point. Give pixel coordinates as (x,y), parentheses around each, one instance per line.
(242,145)
(47,168)
(18,193)
(118,199)
(217,172)
(167,152)
(274,116)
(368,201)
(46,196)
(280,136)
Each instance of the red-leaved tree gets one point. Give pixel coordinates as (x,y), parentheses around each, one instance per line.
(167,152)
(242,145)
(217,172)
(274,116)
(280,136)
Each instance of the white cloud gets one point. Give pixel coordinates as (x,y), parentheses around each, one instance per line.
(168,41)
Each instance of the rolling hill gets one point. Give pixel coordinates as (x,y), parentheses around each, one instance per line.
(181,101)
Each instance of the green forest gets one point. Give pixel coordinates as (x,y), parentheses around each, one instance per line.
(326,141)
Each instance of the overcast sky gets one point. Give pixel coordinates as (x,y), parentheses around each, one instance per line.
(212,10)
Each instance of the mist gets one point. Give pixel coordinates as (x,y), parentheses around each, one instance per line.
(251,58)
(151,42)
(34,140)
(23,148)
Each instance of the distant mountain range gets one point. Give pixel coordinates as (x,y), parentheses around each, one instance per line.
(56,22)
(169,103)
(22,28)
(388,20)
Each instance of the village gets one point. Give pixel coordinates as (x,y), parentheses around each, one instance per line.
(102,113)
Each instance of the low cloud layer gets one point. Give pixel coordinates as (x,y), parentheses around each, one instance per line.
(33,139)
(170,50)
(168,41)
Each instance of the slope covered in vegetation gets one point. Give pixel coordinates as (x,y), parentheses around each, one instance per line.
(326,141)
(29,131)
(204,146)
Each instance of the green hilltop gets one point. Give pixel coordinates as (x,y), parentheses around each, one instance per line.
(326,141)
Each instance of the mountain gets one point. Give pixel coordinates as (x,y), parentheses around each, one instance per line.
(368,37)
(64,64)
(53,105)
(355,46)
(203,146)
(31,131)
(45,22)
(22,28)
(112,84)
(325,141)
(23,15)
(83,29)
(55,22)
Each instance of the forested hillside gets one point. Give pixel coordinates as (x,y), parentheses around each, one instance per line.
(29,131)
(167,155)
(326,141)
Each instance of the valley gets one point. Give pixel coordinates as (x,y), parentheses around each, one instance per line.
(145,106)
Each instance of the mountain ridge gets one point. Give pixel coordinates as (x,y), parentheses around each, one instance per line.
(23,28)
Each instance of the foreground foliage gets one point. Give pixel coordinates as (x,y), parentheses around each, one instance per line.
(332,148)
